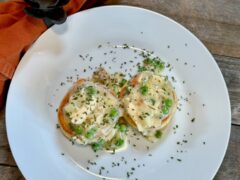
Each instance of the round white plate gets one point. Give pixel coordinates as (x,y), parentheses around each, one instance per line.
(192,147)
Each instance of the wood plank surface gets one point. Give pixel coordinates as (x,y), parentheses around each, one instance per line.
(230,168)
(10,173)
(215,22)
(230,68)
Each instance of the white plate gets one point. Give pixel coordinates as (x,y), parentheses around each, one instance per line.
(35,93)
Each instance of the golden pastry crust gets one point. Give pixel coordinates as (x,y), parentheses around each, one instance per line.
(64,122)
(164,122)
(107,131)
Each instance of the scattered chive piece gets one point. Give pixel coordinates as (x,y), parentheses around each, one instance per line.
(158,134)
(153,101)
(128,90)
(57,126)
(141,68)
(160,65)
(148,61)
(121,84)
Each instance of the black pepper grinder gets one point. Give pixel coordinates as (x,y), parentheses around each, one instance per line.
(51,11)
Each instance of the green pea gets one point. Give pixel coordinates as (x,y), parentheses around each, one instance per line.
(91,91)
(77,129)
(158,134)
(113,113)
(117,126)
(90,134)
(119,142)
(122,128)
(168,103)
(98,145)
(165,110)
(144,90)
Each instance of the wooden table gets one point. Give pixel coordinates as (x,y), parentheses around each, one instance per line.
(217,24)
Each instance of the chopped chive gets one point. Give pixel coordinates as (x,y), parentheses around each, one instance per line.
(153,101)
(122,83)
(141,68)
(158,134)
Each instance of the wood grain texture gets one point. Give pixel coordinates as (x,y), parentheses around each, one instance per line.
(230,168)
(215,22)
(3,134)
(10,173)
(230,68)
(8,167)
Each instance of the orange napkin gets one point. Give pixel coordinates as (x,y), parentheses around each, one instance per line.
(18,31)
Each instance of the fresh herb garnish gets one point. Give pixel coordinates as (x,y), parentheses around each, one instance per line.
(122,83)
(158,134)
(153,101)
(142,68)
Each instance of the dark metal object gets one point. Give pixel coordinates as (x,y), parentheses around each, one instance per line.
(51,11)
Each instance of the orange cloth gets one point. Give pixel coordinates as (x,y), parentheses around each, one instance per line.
(18,31)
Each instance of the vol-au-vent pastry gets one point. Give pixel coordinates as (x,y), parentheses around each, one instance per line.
(89,113)
(149,101)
